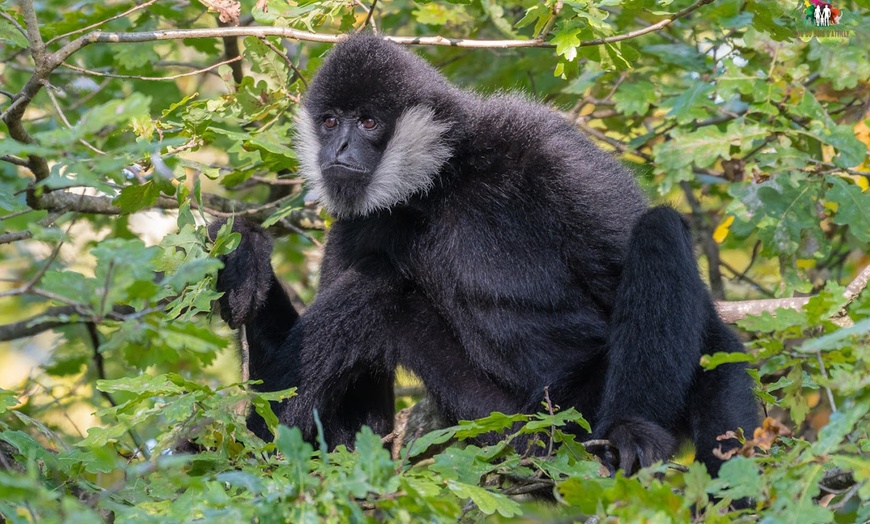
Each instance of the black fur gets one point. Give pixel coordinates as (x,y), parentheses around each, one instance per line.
(531,260)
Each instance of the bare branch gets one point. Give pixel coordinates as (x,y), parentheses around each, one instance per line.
(277,181)
(231,50)
(554,13)
(55,317)
(245,351)
(15,236)
(14,160)
(704,231)
(37,46)
(858,284)
(12,117)
(46,63)
(49,319)
(733,311)
(215,205)
(370,17)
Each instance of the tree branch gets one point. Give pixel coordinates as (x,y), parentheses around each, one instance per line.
(733,311)
(295,34)
(219,206)
(15,236)
(704,231)
(199,71)
(54,317)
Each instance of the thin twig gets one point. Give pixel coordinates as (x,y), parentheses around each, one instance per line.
(824,373)
(552,426)
(46,221)
(29,285)
(370,17)
(98,24)
(150,78)
(107,283)
(554,13)
(14,160)
(100,366)
(245,351)
(742,277)
(58,316)
(16,102)
(277,181)
(846,498)
(597,443)
(37,46)
(14,23)
(286,59)
(295,34)
(704,230)
(63,118)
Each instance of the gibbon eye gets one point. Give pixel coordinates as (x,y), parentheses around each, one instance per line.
(330,122)
(368,123)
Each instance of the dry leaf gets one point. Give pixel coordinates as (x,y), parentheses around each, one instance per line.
(228,10)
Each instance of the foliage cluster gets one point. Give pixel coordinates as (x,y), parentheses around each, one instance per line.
(117,146)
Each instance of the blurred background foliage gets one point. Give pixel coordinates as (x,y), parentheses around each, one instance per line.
(114,155)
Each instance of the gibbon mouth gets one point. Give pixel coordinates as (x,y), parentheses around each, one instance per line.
(341,166)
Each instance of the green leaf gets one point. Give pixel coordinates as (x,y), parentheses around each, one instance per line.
(465,465)
(566,41)
(7,400)
(838,338)
(636,98)
(487,501)
(717,359)
(586,494)
(684,56)
(132,57)
(787,207)
(112,113)
(290,443)
(738,478)
(374,460)
(701,148)
(135,197)
(8,33)
(691,104)
(851,150)
(841,424)
(264,408)
(495,422)
(853,207)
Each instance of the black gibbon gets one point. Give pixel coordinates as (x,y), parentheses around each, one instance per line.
(489,247)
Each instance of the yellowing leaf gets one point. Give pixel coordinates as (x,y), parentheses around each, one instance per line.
(722,229)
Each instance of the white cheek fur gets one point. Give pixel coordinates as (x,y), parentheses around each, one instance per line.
(414,155)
